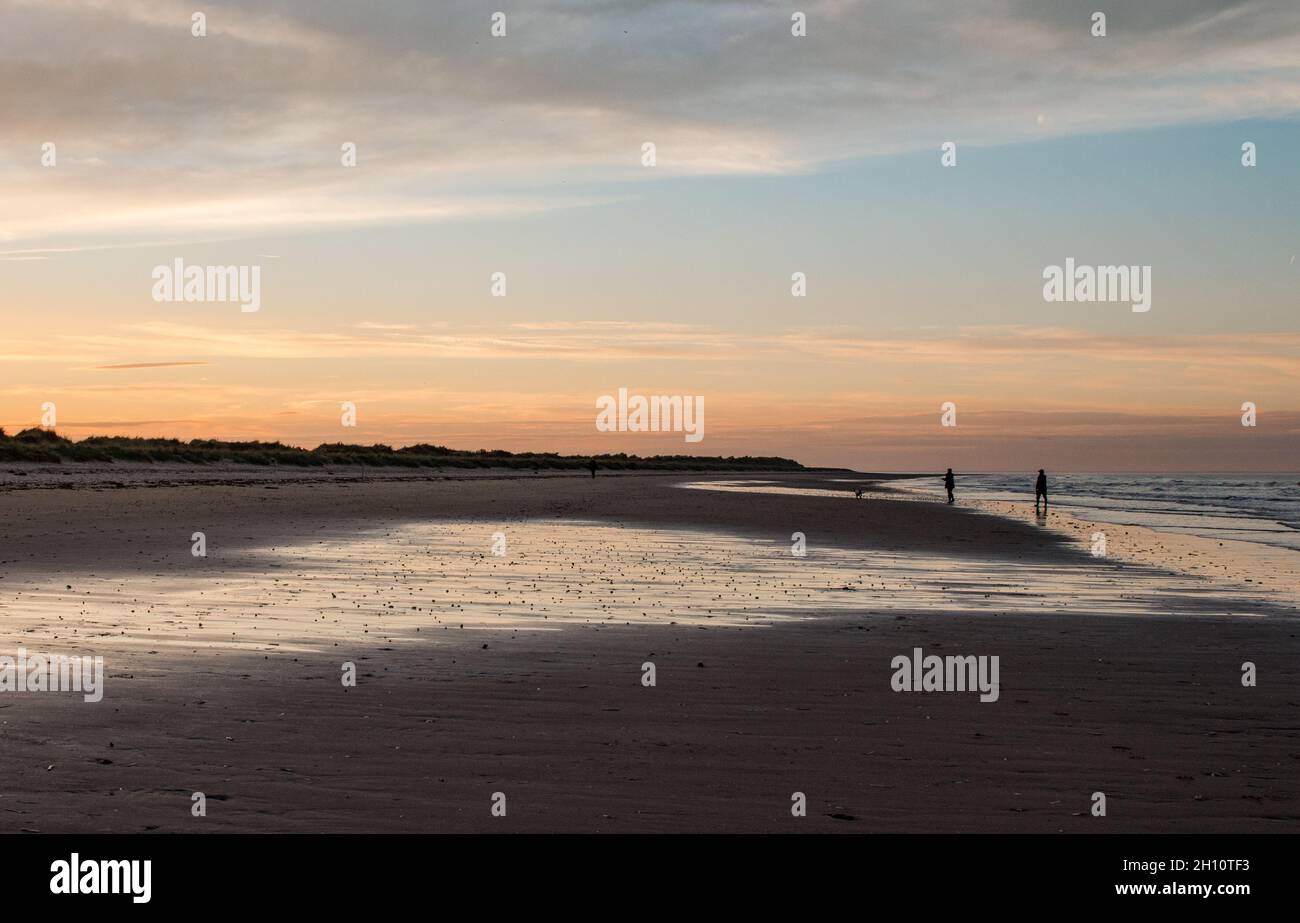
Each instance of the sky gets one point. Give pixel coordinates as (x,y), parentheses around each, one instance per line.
(522,154)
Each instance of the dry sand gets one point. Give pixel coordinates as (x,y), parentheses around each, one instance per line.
(1121,676)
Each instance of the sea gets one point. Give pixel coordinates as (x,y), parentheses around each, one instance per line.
(1261,508)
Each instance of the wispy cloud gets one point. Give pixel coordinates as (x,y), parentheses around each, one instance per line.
(983,368)
(160,132)
(148,365)
(1276,353)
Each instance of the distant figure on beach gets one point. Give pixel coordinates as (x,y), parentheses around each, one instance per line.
(593,469)
(1040,489)
(858,493)
(950,482)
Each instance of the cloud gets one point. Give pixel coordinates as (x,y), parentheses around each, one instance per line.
(160,132)
(148,365)
(1063,368)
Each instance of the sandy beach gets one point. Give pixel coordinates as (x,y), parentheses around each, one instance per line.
(520,672)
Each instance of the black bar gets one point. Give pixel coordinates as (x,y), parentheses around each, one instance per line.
(335,872)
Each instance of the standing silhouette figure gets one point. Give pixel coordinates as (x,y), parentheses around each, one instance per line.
(950,482)
(1040,489)
(593,469)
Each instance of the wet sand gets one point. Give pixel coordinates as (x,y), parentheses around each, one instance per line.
(1121,676)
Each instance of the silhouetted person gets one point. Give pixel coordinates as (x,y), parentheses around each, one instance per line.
(950,482)
(593,469)
(1040,489)
(858,493)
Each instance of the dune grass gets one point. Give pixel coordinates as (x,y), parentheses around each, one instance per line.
(40,445)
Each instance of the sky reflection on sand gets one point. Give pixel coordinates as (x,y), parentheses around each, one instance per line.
(1236,567)
(435,580)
